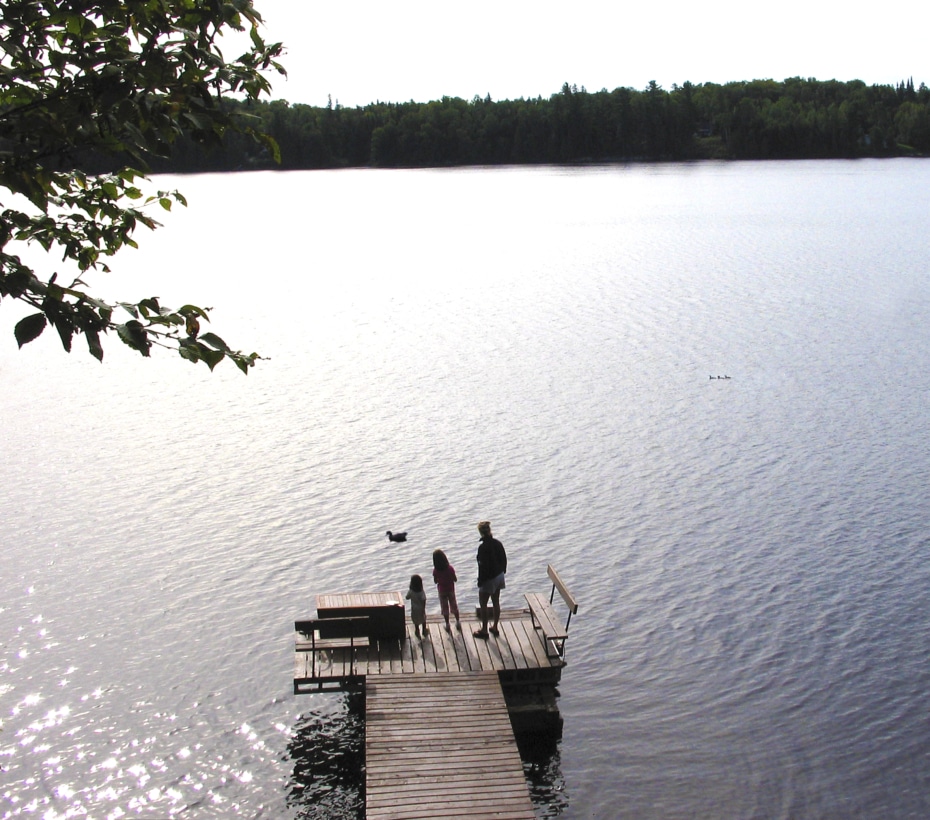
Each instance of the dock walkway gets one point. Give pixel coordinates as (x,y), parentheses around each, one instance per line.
(441,744)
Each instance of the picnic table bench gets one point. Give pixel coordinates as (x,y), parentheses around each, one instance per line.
(333,642)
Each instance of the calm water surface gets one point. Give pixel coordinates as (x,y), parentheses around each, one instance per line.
(531,346)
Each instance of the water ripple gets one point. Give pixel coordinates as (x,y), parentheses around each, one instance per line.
(749,552)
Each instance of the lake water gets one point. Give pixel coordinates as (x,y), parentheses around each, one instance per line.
(533,346)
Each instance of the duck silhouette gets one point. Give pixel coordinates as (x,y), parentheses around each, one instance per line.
(396,536)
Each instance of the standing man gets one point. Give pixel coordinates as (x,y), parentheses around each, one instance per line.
(492,567)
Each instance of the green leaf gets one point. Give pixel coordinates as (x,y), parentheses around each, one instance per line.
(93,344)
(189,351)
(273,146)
(149,306)
(188,310)
(30,328)
(18,281)
(244,362)
(135,335)
(214,341)
(65,332)
(211,357)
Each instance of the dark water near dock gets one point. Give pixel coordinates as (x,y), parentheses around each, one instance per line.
(531,346)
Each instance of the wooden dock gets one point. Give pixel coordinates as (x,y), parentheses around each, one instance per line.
(518,655)
(440,710)
(441,745)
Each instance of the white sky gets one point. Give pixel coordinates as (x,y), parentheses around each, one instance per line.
(360,51)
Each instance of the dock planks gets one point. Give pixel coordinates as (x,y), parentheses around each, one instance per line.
(517,654)
(441,741)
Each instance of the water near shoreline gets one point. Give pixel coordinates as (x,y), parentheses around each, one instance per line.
(527,345)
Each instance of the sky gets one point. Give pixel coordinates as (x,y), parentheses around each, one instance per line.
(358,51)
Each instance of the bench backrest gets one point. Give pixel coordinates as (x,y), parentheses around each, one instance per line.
(559,584)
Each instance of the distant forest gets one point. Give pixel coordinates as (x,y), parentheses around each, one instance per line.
(760,119)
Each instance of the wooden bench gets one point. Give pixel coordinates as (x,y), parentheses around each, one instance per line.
(313,637)
(547,620)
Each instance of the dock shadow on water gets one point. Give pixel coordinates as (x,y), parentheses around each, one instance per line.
(542,766)
(328,754)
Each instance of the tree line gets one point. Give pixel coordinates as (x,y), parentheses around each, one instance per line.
(760,119)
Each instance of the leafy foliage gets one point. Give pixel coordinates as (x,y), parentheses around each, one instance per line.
(112,84)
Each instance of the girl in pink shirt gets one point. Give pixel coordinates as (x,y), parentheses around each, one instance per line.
(444,576)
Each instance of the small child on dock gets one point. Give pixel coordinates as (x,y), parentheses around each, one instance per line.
(417,597)
(444,577)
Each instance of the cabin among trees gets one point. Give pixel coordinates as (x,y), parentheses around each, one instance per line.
(760,119)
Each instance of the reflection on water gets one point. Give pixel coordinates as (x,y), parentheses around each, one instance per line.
(328,752)
(542,765)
